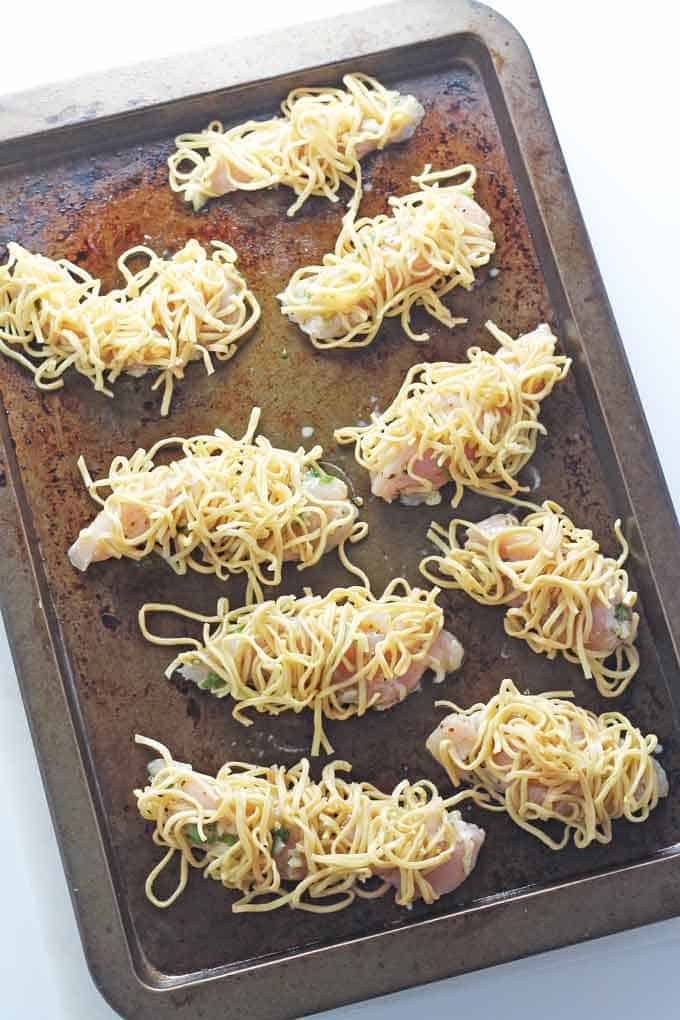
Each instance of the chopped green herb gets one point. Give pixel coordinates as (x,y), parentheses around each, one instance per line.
(237,628)
(622,613)
(211,834)
(284,353)
(212,681)
(280,837)
(316,472)
(194,836)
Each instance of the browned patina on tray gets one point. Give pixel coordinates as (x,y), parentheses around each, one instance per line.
(90,208)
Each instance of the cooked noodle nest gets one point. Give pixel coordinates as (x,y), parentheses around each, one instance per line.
(431,242)
(346,832)
(314,148)
(226,506)
(544,759)
(555,584)
(478,421)
(337,655)
(193,306)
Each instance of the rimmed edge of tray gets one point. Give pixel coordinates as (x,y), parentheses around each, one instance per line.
(47,120)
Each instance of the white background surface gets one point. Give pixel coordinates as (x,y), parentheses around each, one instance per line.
(609,71)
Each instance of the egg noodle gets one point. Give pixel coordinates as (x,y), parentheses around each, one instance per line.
(544,759)
(335,835)
(227,506)
(194,306)
(337,655)
(383,266)
(313,149)
(556,582)
(477,421)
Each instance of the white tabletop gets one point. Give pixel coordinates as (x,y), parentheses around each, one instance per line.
(609,73)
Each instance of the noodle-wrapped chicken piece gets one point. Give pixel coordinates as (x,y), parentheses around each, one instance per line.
(313,149)
(195,306)
(281,839)
(227,506)
(564,596)
(543,759)
(337,655)
(433,241)
(474,424)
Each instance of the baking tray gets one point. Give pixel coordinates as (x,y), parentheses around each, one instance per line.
(84,176)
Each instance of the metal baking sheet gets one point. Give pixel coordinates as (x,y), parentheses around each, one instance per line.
(84,176)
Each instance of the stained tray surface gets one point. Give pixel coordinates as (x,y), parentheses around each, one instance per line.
(90,208)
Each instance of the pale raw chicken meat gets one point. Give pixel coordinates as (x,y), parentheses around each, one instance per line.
(223,176)
(322,491)
(412,111)
(445,655)
(459,733)
(446,877)
(613,625)
(123,516)
(394,480)
(396,476)
(661,778)
(289,859)
(459,730)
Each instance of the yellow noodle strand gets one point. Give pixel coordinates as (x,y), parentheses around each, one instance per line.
(335,655)
(226,506)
